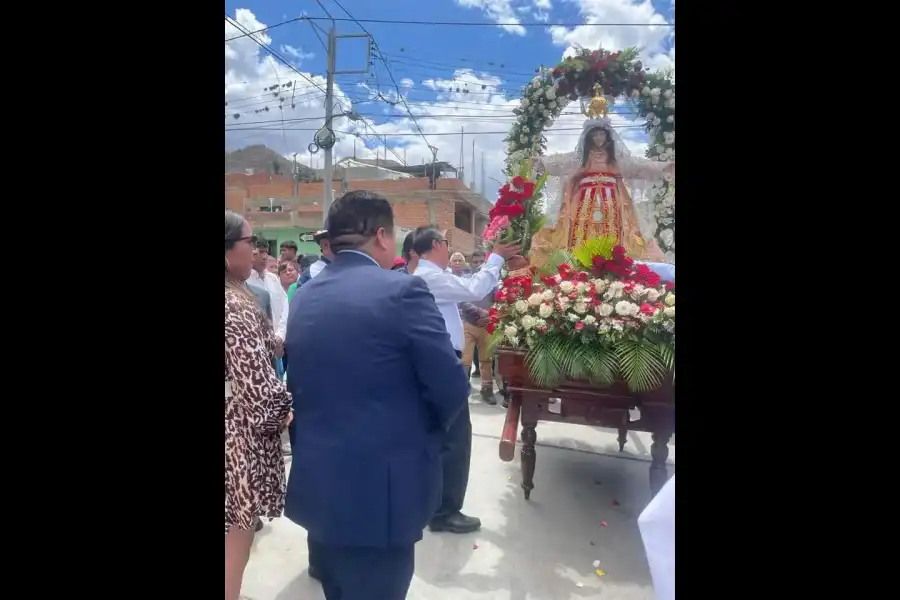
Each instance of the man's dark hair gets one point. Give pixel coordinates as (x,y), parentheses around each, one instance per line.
(289,244)
(424,239)
(356,217)
(262,243)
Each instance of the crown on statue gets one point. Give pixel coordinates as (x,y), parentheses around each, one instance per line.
(597,106)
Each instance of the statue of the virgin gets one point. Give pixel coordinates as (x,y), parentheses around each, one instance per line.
(591,198)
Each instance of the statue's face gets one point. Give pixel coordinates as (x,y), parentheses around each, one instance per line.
(598,138)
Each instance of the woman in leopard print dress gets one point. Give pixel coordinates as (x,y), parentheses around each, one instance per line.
(257,409)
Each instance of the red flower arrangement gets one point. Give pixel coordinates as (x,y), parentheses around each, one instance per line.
(516,215)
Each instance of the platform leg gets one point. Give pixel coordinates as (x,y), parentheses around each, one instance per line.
(529,437)
(659,452)
(623,433)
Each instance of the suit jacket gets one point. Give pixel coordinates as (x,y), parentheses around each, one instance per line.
(262,296)
(378,385)
(307,273)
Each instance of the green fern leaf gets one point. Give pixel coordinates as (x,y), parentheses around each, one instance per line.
(557,257)
(641,366)
(604,367)
(543,363)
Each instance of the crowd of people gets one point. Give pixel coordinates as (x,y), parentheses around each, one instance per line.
(376,411)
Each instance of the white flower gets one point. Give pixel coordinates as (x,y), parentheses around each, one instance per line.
(660,148)
(670,103)
(527,322)
(655,92)
(536,83)
(546,113)
(545,310)
(510,332)
(615,289)
(599,285)
(525,129)
(535,299)
(652,295)
(669,311)
(581,287)
(572,318)
(668,201)
(603,327)
(669,137)
(551,93)
(580,307)
(670,118)
(606,309)
(646,90)
(667,236)
(589,320)
(670,300)
(617,326)
(548,295)
(523,139)
(525,102)
(667,94)
(566,287)
(656,121)
(650,116)
(623,308)
(521,306)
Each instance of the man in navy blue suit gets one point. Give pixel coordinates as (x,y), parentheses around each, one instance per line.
(371,406)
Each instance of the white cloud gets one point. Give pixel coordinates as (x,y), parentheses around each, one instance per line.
(296,53)
(547,4)
(500,11)
(650,38)
(250,75)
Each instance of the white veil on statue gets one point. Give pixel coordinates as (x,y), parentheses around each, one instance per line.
(560,166)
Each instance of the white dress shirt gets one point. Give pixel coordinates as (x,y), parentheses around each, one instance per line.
(317,267)
(279,300)
(449,290)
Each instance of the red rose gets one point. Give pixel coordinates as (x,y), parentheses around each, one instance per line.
(499,296)
(491,328)
(518,182)
(579,325)
(582,276)
(492,312)
(652,280)
(647,309)
(573,296)
(528,190)
(618,251)
(670,285)
(514,211)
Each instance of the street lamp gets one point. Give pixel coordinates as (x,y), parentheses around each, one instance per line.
(325,139)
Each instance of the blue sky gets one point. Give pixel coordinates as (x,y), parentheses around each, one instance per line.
(487,64)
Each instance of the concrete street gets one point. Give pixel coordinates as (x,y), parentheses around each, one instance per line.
(542,549)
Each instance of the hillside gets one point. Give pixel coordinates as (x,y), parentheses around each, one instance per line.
(263,160)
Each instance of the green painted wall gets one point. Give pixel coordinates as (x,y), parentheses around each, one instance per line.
(276,236)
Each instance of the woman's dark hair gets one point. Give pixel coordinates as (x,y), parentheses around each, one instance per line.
(609,146)
(234,226)
(408,246)
(283,266)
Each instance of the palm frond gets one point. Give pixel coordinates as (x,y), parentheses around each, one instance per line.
(557,257)
(598,246)
(604,367)
(641,366)
(544,362)
(495,340)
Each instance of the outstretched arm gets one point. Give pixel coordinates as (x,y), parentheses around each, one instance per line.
(557,165)
(644,169)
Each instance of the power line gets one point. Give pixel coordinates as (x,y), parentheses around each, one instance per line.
(252,33)
(438,133)
(498,24)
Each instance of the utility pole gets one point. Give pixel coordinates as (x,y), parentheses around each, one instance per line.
(473,163)
(329,110)
(483,186)
(462,163)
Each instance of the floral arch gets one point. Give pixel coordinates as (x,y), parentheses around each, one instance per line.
(616,75)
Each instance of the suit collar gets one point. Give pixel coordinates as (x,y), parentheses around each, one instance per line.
(355,257)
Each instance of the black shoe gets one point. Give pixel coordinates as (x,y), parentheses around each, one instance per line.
(259,526)
(458,523)
(476,373)
(487,394)
(505,402)
(314,573)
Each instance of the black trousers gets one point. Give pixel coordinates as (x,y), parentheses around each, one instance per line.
(352,573)
(456,453)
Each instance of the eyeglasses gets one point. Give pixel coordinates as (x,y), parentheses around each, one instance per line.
(249,238)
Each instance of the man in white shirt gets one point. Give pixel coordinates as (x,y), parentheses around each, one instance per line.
(449,290)
(271,283)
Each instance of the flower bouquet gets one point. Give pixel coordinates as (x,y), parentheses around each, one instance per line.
(518,211)
(597,316)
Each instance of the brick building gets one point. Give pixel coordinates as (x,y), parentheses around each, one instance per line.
(280,209)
